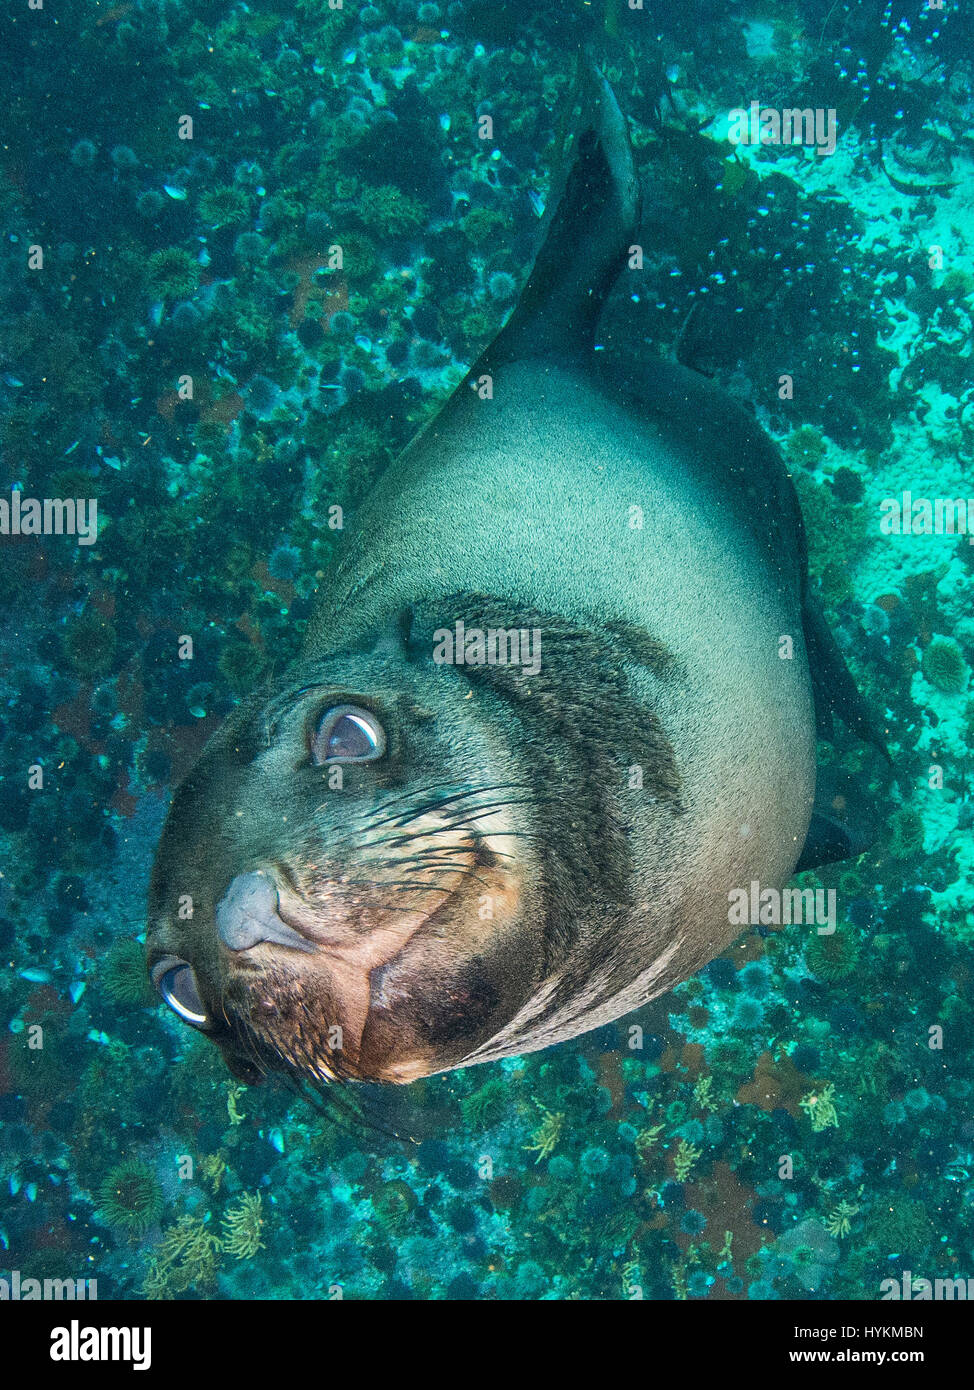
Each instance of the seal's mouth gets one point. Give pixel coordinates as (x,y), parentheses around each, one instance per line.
(325,970)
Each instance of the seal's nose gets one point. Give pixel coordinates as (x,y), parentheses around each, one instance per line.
(247,914)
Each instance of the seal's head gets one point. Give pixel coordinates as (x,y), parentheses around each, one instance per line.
(344,880)
(393,865)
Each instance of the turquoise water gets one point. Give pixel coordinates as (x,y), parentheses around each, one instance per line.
(179,348)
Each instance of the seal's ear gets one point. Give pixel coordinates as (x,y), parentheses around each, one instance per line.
(416,625)
(413,636)
(393,636)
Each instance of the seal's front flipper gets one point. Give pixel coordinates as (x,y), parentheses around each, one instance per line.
(836,693)
(586,243)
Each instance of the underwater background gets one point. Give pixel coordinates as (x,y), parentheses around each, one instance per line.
(642,1160)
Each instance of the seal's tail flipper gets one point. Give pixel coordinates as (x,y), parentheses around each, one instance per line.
(588,236)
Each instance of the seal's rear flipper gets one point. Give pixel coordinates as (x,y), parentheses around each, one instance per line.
(827,842)
(586,244)
(843,824)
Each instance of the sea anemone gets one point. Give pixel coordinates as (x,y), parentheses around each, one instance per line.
(692,1222)
(427,356)
(284,562)
(242,665)
(250,248)
(748,1014)
(388,212)
(594,1161)
(944,665)
(172,273)
(89,644)
(223,207)
(342,325)
(359,256)
(123,157)
(130,1198)
(242,1225)
(84,154)
(831,956)
(149,204)
(352,381)
(501,286)
(123,974)
(262,394)
(486,1106)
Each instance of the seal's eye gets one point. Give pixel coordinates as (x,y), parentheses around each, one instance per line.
(176,982)
(348,734)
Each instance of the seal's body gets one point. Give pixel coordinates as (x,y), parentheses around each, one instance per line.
(657,518)
(420,850)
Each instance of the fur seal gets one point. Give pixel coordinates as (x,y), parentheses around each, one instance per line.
(559,698)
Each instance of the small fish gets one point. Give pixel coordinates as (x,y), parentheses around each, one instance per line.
(37,975)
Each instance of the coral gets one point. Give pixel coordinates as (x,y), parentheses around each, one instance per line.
(242,1225)
(214,1168)
(123,974)
(387,212)
(130,1198)
(944,666)
(184,1258)
(805,446)
(481,225)
(545,1138)
(839,1220)
(901,1226)
(684,1159)
(819,1106)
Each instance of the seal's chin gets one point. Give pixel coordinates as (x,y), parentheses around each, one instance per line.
(389,971)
